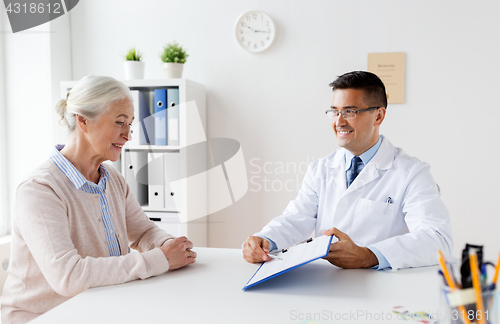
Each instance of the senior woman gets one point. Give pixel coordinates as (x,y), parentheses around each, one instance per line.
(75,217)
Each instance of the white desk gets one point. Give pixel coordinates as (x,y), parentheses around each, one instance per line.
(210,291)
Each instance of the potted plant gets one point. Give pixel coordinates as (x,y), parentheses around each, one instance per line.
(173,57)
(134,67)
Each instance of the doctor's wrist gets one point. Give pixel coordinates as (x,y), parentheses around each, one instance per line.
(370,258)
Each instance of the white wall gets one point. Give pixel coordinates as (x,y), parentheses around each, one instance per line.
(27,98)
(35,61)
(274,102)
(4,188)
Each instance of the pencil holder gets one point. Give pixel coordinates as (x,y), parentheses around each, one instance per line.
(459,307)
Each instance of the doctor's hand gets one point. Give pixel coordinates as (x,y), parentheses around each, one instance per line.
(345,254)
(255,249)
(178,252)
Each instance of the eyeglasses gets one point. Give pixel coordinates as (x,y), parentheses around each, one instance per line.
(346,114)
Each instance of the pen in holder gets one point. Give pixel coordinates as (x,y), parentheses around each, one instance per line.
(478,303)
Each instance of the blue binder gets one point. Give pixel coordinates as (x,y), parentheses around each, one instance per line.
(161,121)
(141,130)
(143,114)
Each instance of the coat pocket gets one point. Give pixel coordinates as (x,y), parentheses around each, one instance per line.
(372,221)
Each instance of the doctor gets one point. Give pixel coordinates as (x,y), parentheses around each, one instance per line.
(382,205)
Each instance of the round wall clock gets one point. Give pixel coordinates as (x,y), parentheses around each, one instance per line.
(255,31)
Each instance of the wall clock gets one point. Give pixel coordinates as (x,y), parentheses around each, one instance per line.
(255,31)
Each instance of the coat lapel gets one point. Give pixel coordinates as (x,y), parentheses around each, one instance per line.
(366,176)
(380,162)
(337,166)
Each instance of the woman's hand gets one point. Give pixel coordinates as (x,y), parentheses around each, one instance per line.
(178,252)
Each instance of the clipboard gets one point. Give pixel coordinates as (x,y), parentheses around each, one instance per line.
(291,258)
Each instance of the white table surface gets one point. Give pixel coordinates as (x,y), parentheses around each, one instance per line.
(210,291)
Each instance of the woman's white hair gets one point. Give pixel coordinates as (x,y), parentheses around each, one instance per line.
(90,98)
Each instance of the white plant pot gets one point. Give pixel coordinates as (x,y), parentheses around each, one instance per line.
(173,70)
(133,70)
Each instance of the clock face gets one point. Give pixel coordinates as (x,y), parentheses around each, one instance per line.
(255,31)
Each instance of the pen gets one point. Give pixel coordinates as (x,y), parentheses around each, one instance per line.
(306,241)
(444,279)
(387,202)
(274,257)
(483,274)
(476,284)
(450,281)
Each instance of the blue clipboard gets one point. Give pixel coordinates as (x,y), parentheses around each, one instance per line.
(290,259)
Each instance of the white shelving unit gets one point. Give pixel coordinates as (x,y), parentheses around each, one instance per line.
(193,198)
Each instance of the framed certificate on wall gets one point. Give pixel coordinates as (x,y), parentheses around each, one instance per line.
(390,68)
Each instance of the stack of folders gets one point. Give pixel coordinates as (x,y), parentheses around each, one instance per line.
(166,117)
(154,179)
(161,128)
(164,181)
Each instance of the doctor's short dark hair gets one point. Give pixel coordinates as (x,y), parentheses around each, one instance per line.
(373,87)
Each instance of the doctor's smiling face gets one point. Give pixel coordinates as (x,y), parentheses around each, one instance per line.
(358,134)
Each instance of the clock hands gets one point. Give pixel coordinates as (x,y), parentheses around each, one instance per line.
(257,31)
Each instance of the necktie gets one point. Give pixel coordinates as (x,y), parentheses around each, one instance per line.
(354,169)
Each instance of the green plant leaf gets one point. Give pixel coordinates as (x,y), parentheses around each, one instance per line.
(133,55)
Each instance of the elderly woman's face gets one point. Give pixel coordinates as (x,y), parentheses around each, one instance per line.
(110,131)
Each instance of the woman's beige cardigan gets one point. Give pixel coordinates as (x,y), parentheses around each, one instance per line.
(58,246)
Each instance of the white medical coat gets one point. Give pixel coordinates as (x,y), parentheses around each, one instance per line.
(408,231)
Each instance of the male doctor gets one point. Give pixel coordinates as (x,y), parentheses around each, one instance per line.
(382,205)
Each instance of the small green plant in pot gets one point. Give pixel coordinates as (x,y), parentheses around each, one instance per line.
(173,58)
(133,65)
